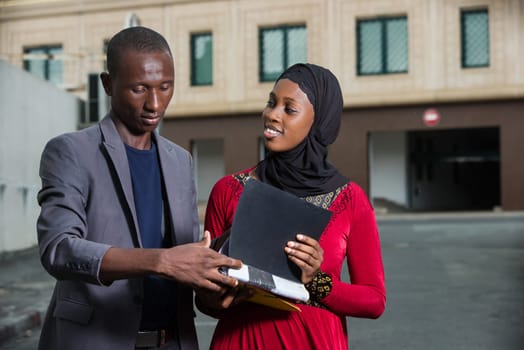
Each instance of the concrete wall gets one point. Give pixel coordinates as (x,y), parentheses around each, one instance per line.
(31,112)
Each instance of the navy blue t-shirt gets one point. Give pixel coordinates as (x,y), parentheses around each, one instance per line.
(159,307)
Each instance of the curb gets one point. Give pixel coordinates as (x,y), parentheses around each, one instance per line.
(19,324)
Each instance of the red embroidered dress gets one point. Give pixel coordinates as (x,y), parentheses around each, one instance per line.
(351,233)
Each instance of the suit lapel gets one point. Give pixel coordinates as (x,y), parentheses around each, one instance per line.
(175,184)
(115,149)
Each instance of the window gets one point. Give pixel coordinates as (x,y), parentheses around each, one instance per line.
(98,103)
(201,59)
(42,61)
(281,47)
(475,38)
(382,46)
(105,44)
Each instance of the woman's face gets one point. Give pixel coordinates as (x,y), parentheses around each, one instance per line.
(287,118)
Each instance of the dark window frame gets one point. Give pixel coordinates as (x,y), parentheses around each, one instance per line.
(285,28)
(105,44)
(47,51)
(384,45)
(193,38)
(463,14)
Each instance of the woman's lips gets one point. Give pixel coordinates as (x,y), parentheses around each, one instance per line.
(270,133)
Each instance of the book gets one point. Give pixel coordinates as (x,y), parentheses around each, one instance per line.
(267,218)
(270,290)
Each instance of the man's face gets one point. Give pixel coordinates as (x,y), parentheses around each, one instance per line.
(141,89)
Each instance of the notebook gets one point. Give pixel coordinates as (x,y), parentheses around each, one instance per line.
(267,218)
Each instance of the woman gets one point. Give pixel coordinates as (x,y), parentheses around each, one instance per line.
(301,118)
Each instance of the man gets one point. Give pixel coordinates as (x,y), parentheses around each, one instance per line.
(118,217)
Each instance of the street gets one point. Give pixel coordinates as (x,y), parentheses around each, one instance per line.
(452,282)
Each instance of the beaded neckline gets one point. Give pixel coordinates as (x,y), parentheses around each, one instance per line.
(323,200)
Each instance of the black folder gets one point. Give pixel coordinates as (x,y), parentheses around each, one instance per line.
(267,218)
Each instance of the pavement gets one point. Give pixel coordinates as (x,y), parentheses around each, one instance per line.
(26,288)
(25,291)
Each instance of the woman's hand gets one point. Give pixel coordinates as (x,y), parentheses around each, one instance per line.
(307,254)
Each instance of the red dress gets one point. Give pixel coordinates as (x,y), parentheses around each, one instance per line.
(351,233)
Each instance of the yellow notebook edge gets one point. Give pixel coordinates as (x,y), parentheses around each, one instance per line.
(269,299)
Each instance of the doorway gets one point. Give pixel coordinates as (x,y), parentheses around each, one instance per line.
(455,169)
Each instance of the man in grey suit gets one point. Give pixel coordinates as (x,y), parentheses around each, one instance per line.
(118,226)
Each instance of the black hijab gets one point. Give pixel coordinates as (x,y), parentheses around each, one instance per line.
(304,170)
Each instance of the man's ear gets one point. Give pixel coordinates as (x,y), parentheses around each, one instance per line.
(106,82)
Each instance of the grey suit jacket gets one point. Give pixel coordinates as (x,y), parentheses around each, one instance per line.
(87,206)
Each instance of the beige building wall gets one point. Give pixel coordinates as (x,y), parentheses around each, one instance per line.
(434,75)
(229,110)
(435,72)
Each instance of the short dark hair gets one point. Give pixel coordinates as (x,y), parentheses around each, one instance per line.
(139,39)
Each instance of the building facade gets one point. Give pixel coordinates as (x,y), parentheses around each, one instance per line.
(433,89)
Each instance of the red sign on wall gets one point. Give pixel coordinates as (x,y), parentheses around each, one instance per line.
(431,117)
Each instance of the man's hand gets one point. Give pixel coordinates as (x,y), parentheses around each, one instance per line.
(197,265)
(214,304)
(307,254)
(194,264)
